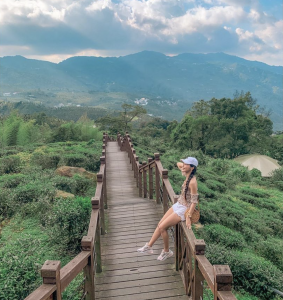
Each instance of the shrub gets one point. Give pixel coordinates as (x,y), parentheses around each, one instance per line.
(255,173)
(216,185)
(68,222)
(32,191)
(253,273)
(11,180)
(46,161)
(10,164)
(220,234)
(271,249)
(204,191)
(254,192)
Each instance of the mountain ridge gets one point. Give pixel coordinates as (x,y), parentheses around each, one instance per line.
(181,79)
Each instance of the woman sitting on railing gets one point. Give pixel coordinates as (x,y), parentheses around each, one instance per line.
(186,202)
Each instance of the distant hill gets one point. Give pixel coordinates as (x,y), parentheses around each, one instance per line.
(185,78)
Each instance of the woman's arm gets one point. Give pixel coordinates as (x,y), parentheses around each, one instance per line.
(180,165)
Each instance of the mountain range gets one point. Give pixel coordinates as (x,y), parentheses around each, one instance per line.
(180,79)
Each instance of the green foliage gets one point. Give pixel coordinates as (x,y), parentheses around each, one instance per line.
(222,235)
(68,223)
(10,164)
(224,128)
(251,272)
(277,178)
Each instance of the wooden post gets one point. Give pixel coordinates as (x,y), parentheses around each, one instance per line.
(50,273)
(98,248)
(197,289)
(137,170)
(144,180)
(140,182)
(133,160)
(150,179)
(157,179)
(177,246)
(103,161)
(222,279)
(87,244)
(165,193)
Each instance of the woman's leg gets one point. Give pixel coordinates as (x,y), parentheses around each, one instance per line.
(157,231)
(172,220)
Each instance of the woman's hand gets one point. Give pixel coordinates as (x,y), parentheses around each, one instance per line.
(188,223)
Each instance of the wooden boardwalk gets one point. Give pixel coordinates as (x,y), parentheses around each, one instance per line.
(131,221)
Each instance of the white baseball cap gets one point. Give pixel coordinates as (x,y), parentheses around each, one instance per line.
(190,161)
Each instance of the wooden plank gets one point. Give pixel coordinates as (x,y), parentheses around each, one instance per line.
(226,295)
(136,283)
(206,269)
(150,295)
(73,268)
(42,293)
(162,286)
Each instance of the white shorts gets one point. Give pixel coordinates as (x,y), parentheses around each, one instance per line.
(180,210)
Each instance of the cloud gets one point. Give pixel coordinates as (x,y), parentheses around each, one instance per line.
(56,28)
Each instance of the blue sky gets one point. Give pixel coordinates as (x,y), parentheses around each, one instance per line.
(57,29)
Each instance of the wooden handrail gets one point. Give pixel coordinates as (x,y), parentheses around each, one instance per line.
(55,281)
(187,247)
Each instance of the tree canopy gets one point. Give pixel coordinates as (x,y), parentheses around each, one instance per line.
(224,127)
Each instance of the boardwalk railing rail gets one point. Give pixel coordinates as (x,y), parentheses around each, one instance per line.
(56,279)
(198,274)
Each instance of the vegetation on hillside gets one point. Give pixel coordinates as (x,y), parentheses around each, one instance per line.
(241,212)
(37,224)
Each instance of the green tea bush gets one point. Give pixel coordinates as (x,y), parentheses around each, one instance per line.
(67,223)
(10,164)
(11,180)
(271,249)
(32,191)
(220,234)
(239,174)
(73,160)
(251,272)
(216,185)
(258,202)
(255,173)
(46,161)
(277,178)
(204,191)
(254,192)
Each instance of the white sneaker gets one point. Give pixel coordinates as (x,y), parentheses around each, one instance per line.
(145,249)
(164,255)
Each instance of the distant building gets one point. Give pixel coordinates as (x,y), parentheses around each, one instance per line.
(6,94)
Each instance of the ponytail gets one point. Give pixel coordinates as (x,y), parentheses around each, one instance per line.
(189,179)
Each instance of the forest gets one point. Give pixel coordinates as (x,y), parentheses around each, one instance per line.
(241,211)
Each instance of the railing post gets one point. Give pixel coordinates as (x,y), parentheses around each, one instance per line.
(87,244)
(222,279)
(98,247)
(100,201)
(157,179)
(177,241)
(103,162)
(50,273)
(133,159)
(144,180)
(140,182)
(150,179)
(137,170)
(197,290)
(165,193)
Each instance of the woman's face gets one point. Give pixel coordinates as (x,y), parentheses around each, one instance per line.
(187,168)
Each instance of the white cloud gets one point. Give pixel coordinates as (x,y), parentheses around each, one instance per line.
(55,28)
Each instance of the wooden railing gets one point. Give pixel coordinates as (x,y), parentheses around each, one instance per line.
(198,274)
(56,279)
